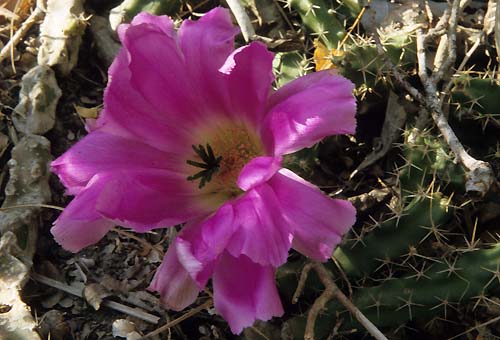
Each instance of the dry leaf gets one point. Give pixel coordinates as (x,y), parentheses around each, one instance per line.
(94,293)
(323,57)
(86,112)
(125,329)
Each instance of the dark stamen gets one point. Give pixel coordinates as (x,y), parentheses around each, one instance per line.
(210,164)
(197,164)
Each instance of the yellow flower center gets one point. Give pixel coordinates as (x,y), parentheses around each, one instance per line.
(219,157)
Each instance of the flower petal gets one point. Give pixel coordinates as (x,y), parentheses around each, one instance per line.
(100,152)
(249,76)
(244,291)
(173,282)
(160,23)
(308,109)
(211,35)
(147,199)
(79,225)
(205,44)
(261,232)
(257,171)
(200,243)
(157,65)
(319,221)
(140,100)
(127,113)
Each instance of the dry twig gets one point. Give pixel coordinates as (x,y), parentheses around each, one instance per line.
(479,173)
(16,38)
(242,19)
(135,312)
(183,317)
(484,324)
(147,246)
(331,291)
(452,45)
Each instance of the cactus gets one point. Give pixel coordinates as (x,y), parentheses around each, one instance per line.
(471,275)
(360,61)
(400,241)
(362,64)
(478,97)
(394,237)
(422,279)
(38,98)
(289,66)
(321,20)
(347,8)
(60,44)
(426,157)
(129,8)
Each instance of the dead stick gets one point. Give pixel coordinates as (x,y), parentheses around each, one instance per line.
(242,18)
(489,322)
(331,291)
(466,58)
(302,282)
(452,44)
(174,322)
(16,38)
(135,312)
(479,173)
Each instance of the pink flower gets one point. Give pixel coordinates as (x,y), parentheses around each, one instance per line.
(192,132)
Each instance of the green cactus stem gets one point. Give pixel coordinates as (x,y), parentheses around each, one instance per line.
(130,8)
(321,20)
(471,275)
(394,237)
(478,97)
(289,66)
(427,156)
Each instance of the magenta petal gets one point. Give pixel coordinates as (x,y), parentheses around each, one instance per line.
(100,152)
(176,287)
(249,75)
(257,171)
(139,102)
(205,44)
(200,244)
(308,109)
(157,69)
(79,225)
(147,199)
(319,221)
(161,23)
(261,232)
(244,292)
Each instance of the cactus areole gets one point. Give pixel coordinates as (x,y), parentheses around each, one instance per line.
(192,132)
